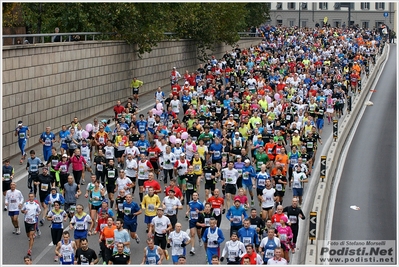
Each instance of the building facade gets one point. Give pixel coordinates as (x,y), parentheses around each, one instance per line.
(364,14)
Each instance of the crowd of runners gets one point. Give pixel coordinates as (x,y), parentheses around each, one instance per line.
(244,128)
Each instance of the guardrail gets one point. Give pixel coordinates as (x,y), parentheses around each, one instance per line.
(64,37)
(320,204)
(69,36)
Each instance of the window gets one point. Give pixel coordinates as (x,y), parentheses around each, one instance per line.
(268,6)
(365,5)
(337,6)
(303,24)
(279,22)
(337,24)
(379,6)
(304,6)
(365,24)
(323,5)
(291,23)
(378,24)
(279,6)
(291,5)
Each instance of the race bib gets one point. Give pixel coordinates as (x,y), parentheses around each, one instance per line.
(197,167)
(47,142)
(100,167)
(151,207)
(208,176)
(259,164)
(293,219)
(152,260)
(63,168)
(245,176)
(246,240)
(111,173)
(190,186)
(67,257)
(57,218)
(109,240)
(261,182)
(44,187)
(216,211)
(80,226)
(72,209)
(194,215)
(269,253)
(216,154)
(206,220)
(236,219)
(54,162)
(7,176)
(101,140)
(283,237)
(279,187)
(33,168)
(127,210)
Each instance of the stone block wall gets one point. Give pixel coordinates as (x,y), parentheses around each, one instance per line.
(49,84)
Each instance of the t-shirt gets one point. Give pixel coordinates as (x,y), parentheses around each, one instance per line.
(120,258)
(85,257)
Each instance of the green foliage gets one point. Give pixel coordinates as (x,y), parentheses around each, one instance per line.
(144,24)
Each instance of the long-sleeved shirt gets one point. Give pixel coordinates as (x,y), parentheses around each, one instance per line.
(236,214)
(77,163)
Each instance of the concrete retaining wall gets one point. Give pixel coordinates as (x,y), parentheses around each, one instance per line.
(49,84)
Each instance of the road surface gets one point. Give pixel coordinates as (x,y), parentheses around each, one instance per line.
(368,179)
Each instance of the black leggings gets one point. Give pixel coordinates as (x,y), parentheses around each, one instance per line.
(166,173)
(77,175)
(101,177)
(106,253)
(56,235)
(63,180)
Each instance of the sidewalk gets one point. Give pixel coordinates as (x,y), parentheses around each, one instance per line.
(145,104)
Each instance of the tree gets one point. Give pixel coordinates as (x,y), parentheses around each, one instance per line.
(145,24)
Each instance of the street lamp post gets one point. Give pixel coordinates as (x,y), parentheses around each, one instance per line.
(299,21)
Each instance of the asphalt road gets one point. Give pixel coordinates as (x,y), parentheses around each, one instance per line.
(15,247)
(368,179)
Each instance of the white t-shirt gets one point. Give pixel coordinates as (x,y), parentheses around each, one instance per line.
(176,239)
(268,197)
(13,199)
(160,224)
(175,105)
(230,176)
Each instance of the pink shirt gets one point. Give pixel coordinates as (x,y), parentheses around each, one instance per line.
(77,164)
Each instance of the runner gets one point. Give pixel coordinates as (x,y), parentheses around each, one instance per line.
(268,245)
(65,249)
(45,182)
(13,202)
(32,210)
(80,222)
(119,257)
(234,249)
(107,239)
(23,133)
(194,207)
(131,210)
(171,204)
(71,193)
(178,240)
(278,258)
(47,139)
(135,85)
(153,255)
(213,237)
(32,166)
(85,255)
(236,214)
(8,175)
(159,228)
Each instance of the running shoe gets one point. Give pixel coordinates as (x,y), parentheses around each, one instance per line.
(201,243)
(18,232)
(166,255)
(55,258)
(15,230)
(41,222)
(137,240)
(192,252)
(29,252)
(39,233)
(5,208)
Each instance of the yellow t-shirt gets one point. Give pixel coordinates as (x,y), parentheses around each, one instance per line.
(197,164)
(150,204)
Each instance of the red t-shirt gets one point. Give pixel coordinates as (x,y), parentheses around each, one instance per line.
(178,192)
(154,184)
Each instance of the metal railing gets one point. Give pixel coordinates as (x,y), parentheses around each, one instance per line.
(70,36)
(64,37)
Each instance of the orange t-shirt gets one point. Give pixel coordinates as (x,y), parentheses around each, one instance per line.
(283,160)
(108,233)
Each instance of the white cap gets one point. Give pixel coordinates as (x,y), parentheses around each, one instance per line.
(237,133)
(182,155)
(247,161)
(65,156)
(186,82)
(296,131)
(178,141)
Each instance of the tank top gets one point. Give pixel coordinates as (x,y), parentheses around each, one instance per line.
(95,195)
(212,237)
(269,249)
(66,252)
(152,256)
